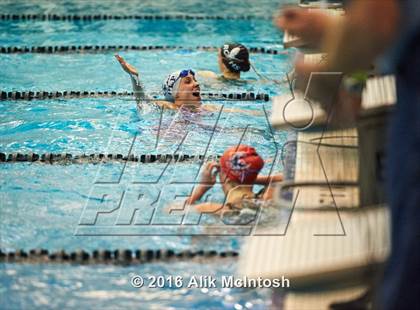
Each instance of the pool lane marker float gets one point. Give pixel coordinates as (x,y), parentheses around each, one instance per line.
(66,158)
(97,17)
(42,95)
(114,48)
(117,257)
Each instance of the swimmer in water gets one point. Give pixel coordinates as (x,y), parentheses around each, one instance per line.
(233,58)
(238,171)
(180,88)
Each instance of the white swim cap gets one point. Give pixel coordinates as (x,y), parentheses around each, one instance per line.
(171,84)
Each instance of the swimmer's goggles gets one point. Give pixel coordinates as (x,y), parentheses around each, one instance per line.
(185,73)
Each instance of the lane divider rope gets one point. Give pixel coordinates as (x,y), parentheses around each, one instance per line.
(66,158)
(97,17)
(119,257)
(29,95)
(106,48)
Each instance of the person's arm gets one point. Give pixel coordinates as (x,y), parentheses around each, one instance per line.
(367,30)
(208,179)
(267,179)
(198,192)
(209,207)
(215,108)
(138,88)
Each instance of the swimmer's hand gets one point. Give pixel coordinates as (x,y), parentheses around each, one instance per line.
(208,176)
(126,66)
(207,180)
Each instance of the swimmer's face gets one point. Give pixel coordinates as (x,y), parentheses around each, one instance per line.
(189,91)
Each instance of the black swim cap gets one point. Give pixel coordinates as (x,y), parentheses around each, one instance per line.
(235,57)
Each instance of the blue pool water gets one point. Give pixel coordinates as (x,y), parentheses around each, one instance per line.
(42,205)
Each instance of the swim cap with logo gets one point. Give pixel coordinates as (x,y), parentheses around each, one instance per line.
(241,164)
(171,84)
(235,57)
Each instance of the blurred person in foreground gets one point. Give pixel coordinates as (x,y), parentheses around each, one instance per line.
(386,32)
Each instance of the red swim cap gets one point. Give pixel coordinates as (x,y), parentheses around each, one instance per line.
(241,164)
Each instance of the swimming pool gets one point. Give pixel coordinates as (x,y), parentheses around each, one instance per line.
(42,204)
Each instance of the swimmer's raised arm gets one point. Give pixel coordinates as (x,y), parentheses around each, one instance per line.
(138,87)
(126,66)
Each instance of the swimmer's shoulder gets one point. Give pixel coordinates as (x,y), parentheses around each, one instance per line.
(211,107)
(207,74)
(165,104)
